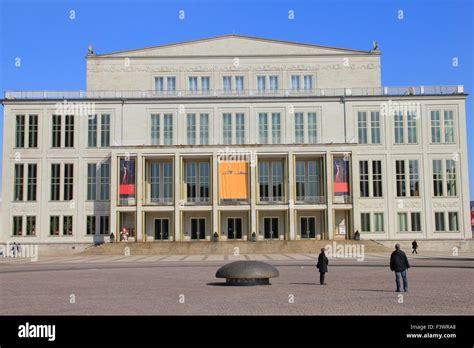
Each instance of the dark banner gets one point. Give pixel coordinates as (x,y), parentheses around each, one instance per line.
(127,178)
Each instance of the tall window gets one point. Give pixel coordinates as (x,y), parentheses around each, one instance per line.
(204,129)
(205,84)
(261,83)
(438,178)
(276,128)
(274,83)
(308,82)
(227,128)
(402,222)
(56,133)
(299,127)
(399,128)
(171,83)
(312,130)
(32,181)
(155,129)
(168,129)
(33,131)
(191,129)
(105,130)
(439,222)
(161,182)
(54,225)
(227,83)
(90,225)
(377,178)
(55,181)
(414,178)
(364,178)
(104,225)
(105,181)
(18,182)
(415,222)
(362,127)
(451,178)
(31,225)
(375,127)
(295,82)
(92,131)
(239,128)
(365,222)
(309,181)
(17,226)
(67,225)
(239,83)
(263,128)
(68,181)
(271,181)
(378,222)
(20,131)
(197,182)
(453,222)
(442,127)
(69,131)
(411,128)
(400,178)
(193,83)
(159,84)
(91,181)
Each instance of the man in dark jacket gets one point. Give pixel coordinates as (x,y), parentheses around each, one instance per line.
(399,264)
(414,245)
(322,265)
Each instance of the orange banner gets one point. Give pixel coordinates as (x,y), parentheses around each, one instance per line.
(233,180)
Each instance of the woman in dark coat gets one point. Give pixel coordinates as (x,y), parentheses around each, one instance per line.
(322,265)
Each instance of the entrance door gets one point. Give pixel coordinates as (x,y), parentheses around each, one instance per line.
(234,228)
(308,227)
(270,228)
(161,229)
(198,228)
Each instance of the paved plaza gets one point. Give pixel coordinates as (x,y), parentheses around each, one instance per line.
(186,285)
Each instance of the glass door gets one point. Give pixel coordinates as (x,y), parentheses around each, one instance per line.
(308,227)
(161,229)
(198,229)
(270,228)
(234,228)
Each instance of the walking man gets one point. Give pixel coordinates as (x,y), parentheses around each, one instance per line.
(399,264)
(414,245)
(322,265)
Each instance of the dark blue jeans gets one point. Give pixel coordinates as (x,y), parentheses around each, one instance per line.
(405,280)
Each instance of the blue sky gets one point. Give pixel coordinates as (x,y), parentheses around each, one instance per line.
(416,50)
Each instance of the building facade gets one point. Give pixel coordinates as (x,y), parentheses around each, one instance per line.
(236,137)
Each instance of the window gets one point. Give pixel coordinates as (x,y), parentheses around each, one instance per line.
(32,181)
(411,128)
(92,131)
(191,129)
(375,127)
(54,225)
(239,83)
(263,128)
(365,222)
(437,178)
(159,84)
(33,131)
(105,130)
(204,129)
(399,128)
(439,222)
(168,129)
(442,127)
(415,222)
(377,178)
(453,222)
(276,128)
(227,128)
(55,181)
(168,181)
(271,181)
(171,83)
(308,82)
(309,181)
(312,131)
(362,127)
(261,83)
(274,83)
(239,128)
(105,181)
(364,178)
(20,131)
(67,225)
(155,129)
(400,178)
(69,131)
(378,222)
(155,181)
(68,181)
(205,84)
(91,181)
(18,182)
(295,82)
(451,178)
(56,133)
(161,182)
(31,225)
(197,182)
(414,178)
(402,222)
(193,83)
(17,226)
(227,83)
(104,225)
(299,127)
(90,225)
